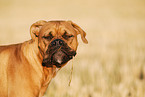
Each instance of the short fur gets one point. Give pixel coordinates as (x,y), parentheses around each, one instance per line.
(21,71)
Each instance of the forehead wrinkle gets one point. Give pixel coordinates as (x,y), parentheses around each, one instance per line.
(68,27)
(49,27)
(56,26)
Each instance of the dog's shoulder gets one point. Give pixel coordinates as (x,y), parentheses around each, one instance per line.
(13,51)
(10,48)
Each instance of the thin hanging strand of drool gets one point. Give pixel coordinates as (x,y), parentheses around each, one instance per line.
(70,78)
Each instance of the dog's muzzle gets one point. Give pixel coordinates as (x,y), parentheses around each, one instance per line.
(58,53)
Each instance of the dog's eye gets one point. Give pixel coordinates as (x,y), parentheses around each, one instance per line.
(49,37)
(66,36)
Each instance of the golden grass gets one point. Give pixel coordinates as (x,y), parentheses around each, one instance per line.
(111,65)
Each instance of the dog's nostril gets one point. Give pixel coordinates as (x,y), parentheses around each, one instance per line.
(60,42)
(53,43)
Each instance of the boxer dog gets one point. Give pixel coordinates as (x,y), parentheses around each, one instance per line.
(26,69)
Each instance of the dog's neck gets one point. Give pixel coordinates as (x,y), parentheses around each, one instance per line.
(32,53)
(35,56)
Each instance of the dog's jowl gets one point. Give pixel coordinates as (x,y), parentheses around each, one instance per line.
(26,69)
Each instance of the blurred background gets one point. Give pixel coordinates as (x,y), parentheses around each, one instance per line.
(111,65)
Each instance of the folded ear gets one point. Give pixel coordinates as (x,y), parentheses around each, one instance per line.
(35,28)
(79,31)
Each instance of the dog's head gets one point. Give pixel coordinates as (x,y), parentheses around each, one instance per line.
(57,41)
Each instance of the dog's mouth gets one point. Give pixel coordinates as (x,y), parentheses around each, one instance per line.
(58,55)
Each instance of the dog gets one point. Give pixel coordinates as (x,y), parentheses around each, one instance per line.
(26,69)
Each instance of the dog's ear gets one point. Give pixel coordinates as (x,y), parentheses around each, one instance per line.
(79,31)
(35,28)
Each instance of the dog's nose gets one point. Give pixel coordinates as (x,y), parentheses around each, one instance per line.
(57,42)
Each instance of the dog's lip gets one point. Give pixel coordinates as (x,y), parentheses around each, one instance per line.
(58,59)
(65,52)
(59,48)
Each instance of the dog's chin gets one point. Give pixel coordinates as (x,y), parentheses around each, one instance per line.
(58,58)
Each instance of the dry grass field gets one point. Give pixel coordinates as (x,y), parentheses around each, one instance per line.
(111,65)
